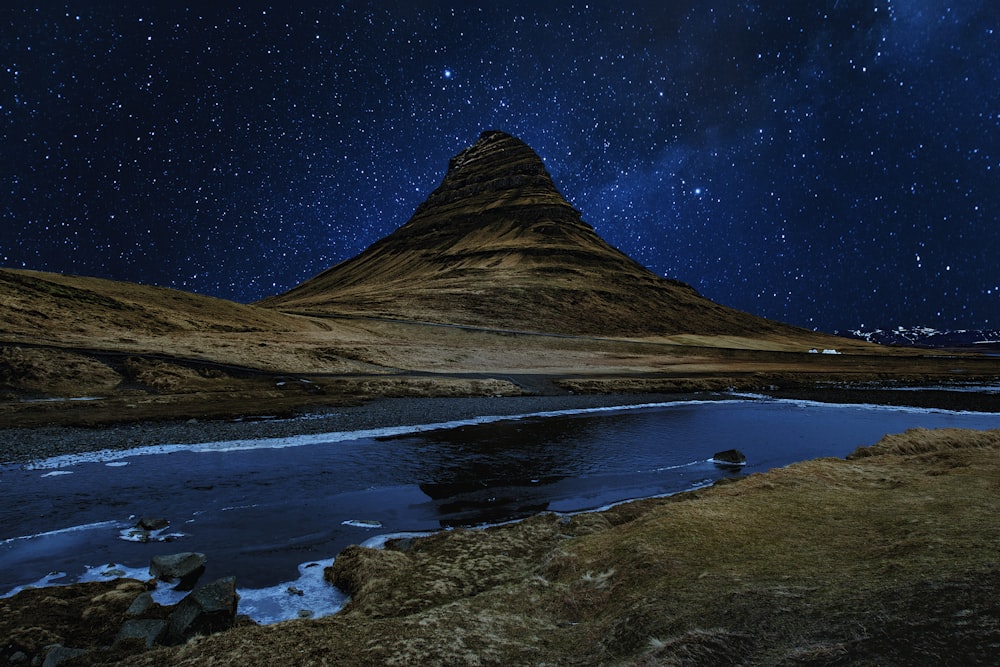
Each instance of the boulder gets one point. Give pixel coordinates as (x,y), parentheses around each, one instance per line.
(152,523)
(60,654)
(730,457)
(149,630)
(186,567)
(142,603)
(207,609)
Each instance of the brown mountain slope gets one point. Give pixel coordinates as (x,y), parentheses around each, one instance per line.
(81,336)
(37,304)
(496,245)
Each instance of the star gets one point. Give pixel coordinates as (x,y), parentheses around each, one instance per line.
(237,156)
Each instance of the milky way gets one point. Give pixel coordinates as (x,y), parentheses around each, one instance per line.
(829,164)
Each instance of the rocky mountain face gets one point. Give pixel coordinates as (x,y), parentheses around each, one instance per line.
(981,339)
(497,245)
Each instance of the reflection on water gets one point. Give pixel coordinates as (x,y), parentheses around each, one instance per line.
(497,472)
(259,513)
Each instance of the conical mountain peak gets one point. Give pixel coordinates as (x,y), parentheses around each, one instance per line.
(497,170)
(497,146)
(496,245)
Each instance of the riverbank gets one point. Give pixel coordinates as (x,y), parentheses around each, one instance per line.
(21,445)
(887,557)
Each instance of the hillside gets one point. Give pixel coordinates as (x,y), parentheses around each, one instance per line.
(34,303)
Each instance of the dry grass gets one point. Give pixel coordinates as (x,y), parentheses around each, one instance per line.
(154,353)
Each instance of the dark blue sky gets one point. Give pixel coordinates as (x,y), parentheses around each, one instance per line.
(830,164)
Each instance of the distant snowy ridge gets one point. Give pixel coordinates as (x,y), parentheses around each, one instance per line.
(927,337)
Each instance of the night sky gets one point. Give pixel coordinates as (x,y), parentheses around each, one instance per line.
(829,163)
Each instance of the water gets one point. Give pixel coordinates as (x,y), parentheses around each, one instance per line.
(273,516)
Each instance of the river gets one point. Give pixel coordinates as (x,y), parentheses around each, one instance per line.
(274,512)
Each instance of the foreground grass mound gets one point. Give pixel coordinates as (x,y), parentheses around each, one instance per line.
(891,556)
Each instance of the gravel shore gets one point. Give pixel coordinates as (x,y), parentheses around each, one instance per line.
(21,445)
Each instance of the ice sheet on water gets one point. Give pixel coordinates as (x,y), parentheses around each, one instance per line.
(362,523)
(134,534)
(70,529)
(309,596)
(107,455)
(874,407)
(379,541)
(51,579)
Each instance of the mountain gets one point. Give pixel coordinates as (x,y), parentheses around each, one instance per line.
(551,308)
(981,339)
(497,245)
(38,304)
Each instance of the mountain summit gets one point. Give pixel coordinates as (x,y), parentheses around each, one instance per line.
(497,245)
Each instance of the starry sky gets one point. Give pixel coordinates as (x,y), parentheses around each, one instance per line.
(830,163)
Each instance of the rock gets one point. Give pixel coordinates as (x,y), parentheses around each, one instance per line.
(152,523)
(400,543)
(186,566)
(18,658)
(209,608)
(151,631)
(140,605)
(730,457)
(60,654)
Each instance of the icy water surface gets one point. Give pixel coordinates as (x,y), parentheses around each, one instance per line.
(274,515)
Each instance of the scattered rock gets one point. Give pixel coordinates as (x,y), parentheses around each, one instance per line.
(186,566)
(149,529)
(152,523)
(210,608)
(60,654)
(730,457)
(150,630)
